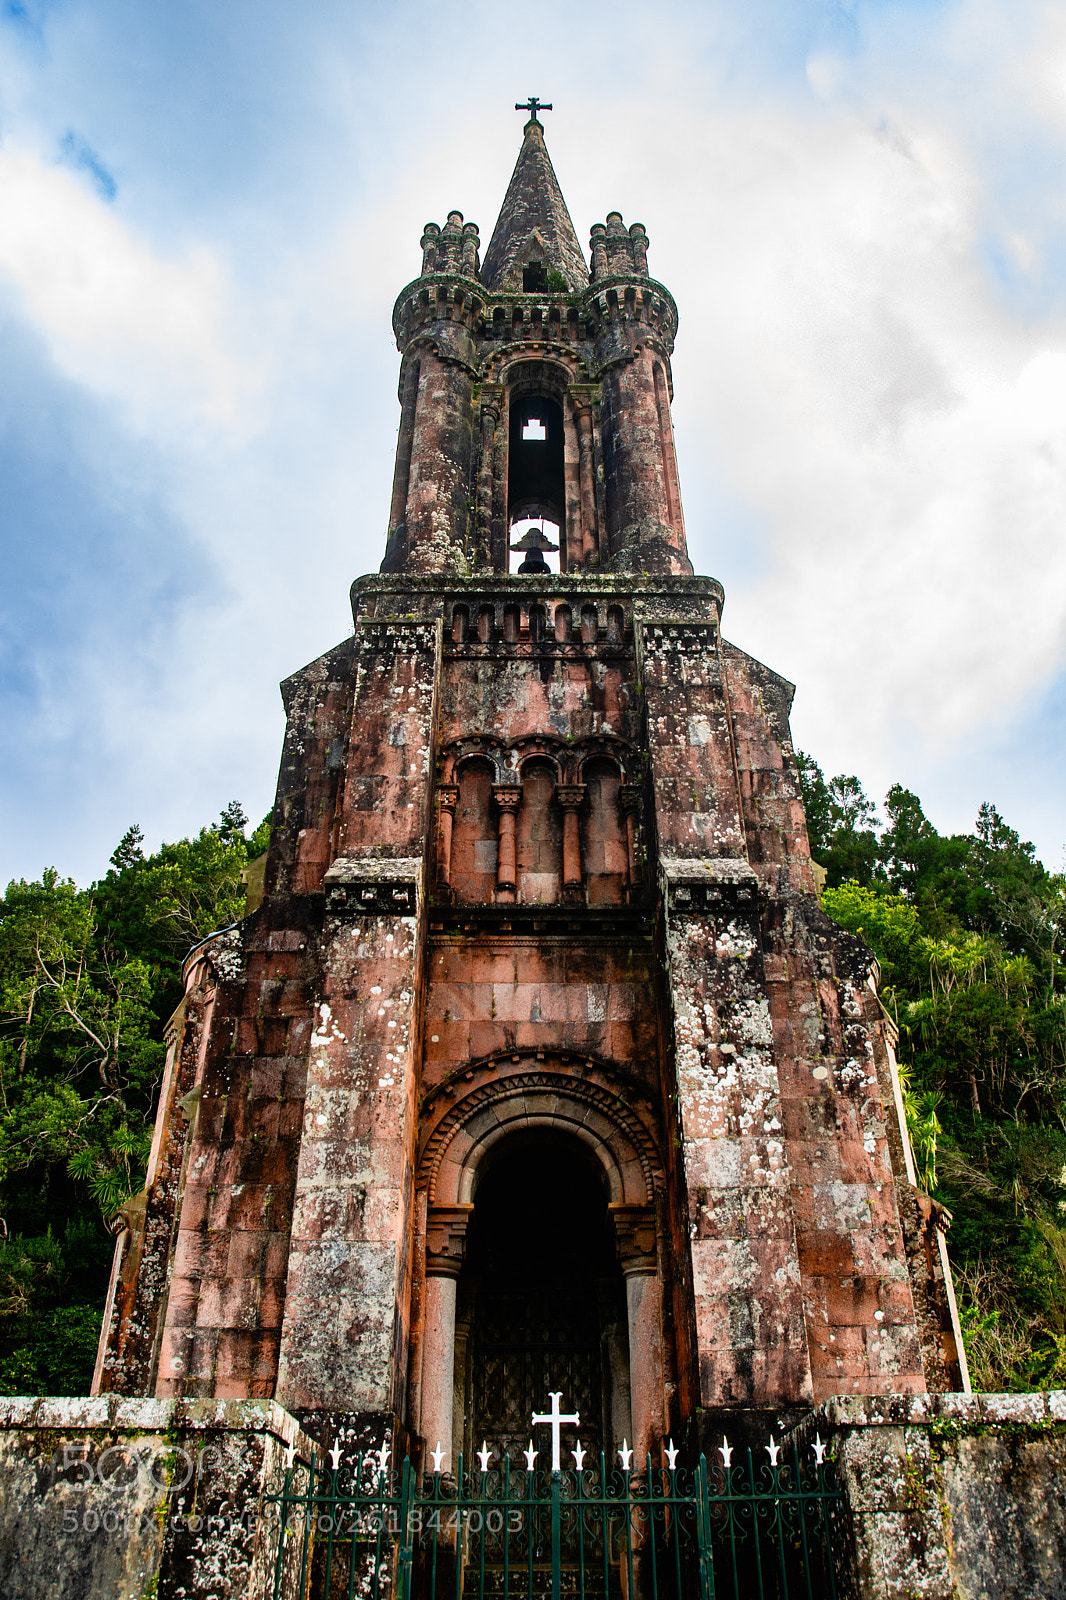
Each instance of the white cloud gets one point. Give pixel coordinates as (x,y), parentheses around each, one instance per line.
(154,334)
(852,374)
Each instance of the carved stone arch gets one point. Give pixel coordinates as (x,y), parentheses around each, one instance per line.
(465,1122)
(458,751)
(566,1097)
(511,353)
(523,376)
(602,748)
(606,845)
(598,753)
(467,845)
(537,747)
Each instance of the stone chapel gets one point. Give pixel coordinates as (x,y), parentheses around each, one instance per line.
(538,1066)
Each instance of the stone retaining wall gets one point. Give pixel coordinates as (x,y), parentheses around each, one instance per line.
(114,1499)
(952,1496)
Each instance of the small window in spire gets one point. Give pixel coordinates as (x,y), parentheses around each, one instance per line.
(534,429)
(534,277)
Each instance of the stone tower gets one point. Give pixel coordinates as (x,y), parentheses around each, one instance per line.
(538,1066)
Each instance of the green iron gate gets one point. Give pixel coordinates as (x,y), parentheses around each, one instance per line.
(745,1529)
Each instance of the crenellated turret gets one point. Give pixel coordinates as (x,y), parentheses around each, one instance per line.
(616,252)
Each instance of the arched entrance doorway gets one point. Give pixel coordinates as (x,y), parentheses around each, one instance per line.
(541,1298)
(538,1185)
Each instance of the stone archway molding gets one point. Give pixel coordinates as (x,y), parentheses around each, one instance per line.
(506,1097)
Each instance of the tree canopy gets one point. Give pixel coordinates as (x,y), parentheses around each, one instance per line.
(969,932)
(88,979)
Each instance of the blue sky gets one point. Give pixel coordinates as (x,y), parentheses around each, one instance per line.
(208,211)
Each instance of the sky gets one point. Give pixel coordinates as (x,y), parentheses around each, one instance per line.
(207,211)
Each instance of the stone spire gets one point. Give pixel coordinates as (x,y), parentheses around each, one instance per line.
(534,225)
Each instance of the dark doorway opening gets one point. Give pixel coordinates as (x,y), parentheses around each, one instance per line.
(541,1302)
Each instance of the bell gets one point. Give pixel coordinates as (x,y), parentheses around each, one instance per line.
(534,542)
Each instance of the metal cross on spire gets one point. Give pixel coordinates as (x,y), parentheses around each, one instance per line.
(555,1419)
(532,105)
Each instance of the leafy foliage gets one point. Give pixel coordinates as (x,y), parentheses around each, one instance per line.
(88,978)
(969,933)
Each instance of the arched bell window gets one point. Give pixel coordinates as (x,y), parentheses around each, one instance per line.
(536,493)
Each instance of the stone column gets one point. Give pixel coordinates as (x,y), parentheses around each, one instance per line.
(590,543)
(629,798)
(634,1228)
(442,461)
(447,800)
(570,797)
(491,403)
(666,438)
(445,1246)
(508,797)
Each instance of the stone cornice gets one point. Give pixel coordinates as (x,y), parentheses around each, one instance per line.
(453,299)
(633,585)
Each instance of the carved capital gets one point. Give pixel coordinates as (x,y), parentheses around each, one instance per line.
(634,1232)
(570,795)
(446,1240)
(508,796)
(583,396)
(448,796)
(630,797)
(492,396)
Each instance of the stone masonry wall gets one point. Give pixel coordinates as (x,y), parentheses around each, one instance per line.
(800,1276)
(344,1336)
(115,1499)
(952,1497)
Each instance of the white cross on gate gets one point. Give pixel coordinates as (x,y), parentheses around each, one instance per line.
(555,1419)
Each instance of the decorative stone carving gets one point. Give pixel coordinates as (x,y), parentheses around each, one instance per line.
(447,800)
(446,1240)
(374,887)
(634,1231)
(630,800)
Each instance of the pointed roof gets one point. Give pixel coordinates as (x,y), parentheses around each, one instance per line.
(533,222)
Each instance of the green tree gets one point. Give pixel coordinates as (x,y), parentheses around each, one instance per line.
(88,979)
(968,930)
(842,823)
